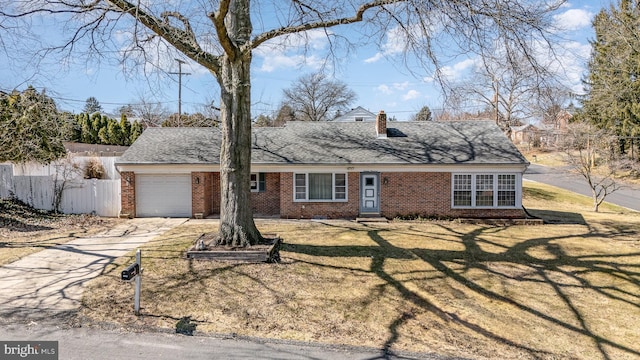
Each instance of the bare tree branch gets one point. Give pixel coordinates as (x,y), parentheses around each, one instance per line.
(171,34)
(357,17)
(221,30)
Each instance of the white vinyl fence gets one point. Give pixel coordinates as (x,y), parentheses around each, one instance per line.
(34,184)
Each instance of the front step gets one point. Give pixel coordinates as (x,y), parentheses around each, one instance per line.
(377,218)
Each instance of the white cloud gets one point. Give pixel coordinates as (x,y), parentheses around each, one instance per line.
(277,61)
(401,86)
(385,89)
(573,19)
(395,43)
(288,52)
(411,95)
(455,71)
(389,89)
(374,58)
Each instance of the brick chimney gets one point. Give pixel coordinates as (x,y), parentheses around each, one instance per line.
(381,124)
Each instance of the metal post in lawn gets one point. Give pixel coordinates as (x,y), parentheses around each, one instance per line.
(136,304)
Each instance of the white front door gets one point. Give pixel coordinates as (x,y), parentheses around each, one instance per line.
(369,190)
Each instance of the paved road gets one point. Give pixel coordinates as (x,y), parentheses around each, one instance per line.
(51,281)
(84,343)
(562,177)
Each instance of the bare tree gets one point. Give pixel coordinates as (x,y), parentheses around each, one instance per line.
(590,153)
(314,97)
(189,120)
(553,104)
(514,93)
(68,174)
(219,35)
(151,114)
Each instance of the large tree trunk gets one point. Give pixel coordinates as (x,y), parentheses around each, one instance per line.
(237,227)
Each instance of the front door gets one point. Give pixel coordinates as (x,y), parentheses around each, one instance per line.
(369,190)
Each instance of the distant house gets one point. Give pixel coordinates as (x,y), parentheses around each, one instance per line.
(357,114)
(542,134)
(562,120)
(333,170)
(525,134)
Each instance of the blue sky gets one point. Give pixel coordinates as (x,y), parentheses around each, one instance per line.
(380,83)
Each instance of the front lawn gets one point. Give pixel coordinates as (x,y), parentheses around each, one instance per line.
(25,230)
(567,290)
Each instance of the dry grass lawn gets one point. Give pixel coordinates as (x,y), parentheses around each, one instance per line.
(567,290)
(24,230)
(543,157)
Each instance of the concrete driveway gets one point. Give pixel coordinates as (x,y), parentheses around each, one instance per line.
(51,282)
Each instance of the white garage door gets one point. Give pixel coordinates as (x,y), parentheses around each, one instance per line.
(163,195)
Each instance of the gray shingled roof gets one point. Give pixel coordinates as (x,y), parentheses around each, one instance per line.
(463,142)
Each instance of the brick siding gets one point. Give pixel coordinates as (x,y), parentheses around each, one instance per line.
(428,195)
(128,193)
(267,203)
(414,194)
(402,194)
(215,193)
(329,210)
(202,190)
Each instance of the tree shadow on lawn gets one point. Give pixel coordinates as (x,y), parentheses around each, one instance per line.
(19,225)
(550,270)
(558,217)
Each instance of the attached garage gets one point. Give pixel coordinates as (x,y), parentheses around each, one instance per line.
(163,195)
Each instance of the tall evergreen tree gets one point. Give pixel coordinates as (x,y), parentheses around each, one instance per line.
(31,128)
(136,130)
(125,128)
(115,133)
(285,113)
(423,115)
(103,136)
(85,129)
(92,106)
(613,82)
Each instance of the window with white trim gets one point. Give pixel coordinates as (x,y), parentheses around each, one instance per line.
(506,190)
(462,190)
(258,182)
(320,187)
(484,190)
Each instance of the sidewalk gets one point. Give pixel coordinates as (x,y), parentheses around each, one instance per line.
(51,281)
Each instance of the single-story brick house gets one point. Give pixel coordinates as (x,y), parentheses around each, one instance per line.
(333,170)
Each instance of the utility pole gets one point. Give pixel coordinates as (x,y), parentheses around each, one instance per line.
(179,73)
(497,100)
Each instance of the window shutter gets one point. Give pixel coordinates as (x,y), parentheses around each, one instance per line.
(262,182)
